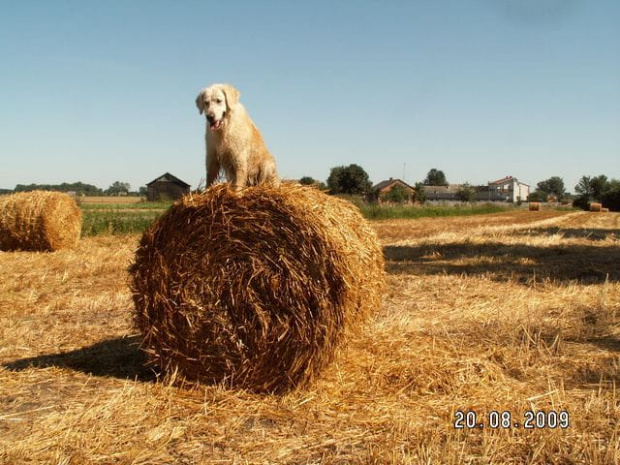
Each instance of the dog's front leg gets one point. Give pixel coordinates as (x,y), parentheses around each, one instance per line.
(241,174)
(213,166)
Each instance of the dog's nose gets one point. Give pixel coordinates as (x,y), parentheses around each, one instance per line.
(210,118)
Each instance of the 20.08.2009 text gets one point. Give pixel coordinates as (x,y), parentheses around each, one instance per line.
(496,420)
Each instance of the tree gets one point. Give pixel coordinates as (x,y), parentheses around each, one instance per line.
(397,194)
(309,181)
(592,189)
(351,179)
(552,186)
(435,177)
(611,198)
(537,196)
(118,188)
(418,193)
(466,193)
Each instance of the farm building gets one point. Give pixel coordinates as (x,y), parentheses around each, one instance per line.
(509,189)
(381,189)
(166,187)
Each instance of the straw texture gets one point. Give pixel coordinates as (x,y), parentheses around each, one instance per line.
(39,221)
(255,291)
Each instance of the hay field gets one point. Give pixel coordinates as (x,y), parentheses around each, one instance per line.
(513,312)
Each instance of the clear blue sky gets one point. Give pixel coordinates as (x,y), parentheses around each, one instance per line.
(103,91)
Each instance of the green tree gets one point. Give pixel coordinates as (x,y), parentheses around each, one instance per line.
(611,198)
(418,193)
(309,181)
(435,177)
(118,188)
(352,179)
(466,193)
(592,189)
(537,196)
(552,186)
(397,194)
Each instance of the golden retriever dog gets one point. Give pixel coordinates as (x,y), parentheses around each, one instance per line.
(234,144)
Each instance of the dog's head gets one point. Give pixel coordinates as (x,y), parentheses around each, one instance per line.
(216,102)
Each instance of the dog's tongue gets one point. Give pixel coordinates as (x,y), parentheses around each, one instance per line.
(216,125)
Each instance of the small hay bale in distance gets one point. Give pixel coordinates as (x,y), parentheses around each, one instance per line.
(595,207)
(534,206)
(254,291)
(39,221)
(604,210)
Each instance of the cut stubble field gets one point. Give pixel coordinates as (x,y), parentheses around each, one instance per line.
(511,312)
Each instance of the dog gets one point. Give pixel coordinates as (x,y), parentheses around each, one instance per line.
(233,142)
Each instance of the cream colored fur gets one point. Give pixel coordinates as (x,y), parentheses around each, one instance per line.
(234,144)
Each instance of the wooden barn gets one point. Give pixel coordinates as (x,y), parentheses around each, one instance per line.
(166,187)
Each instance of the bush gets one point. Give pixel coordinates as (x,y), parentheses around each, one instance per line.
(583,202)
(611,200)
(397,194)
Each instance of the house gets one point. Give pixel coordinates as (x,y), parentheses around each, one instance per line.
(508,189)
(380,190)
(166,187)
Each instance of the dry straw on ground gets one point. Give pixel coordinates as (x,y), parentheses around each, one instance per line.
(595,207)
(39,220)
(511,312)
(255,291)
(534,206)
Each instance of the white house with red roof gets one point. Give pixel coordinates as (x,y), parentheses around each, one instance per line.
(510,189)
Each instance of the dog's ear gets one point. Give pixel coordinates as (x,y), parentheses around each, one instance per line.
(200,101)
(232,95)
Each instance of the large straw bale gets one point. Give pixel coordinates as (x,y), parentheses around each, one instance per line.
(254,291)
(534,206)
(595,207)
(39,221)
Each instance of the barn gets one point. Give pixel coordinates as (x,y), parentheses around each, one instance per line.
(166,187)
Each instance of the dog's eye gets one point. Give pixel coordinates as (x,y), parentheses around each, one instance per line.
(219,100)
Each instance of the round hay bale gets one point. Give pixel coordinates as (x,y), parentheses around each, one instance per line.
(595,207)
(604,210)
(254,291)
(534,206)
(39,221)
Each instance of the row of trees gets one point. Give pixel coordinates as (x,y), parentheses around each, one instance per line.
(353,179)
(598,189)
(80,188)
(589,189)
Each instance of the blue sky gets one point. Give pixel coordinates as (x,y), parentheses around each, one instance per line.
(103,91)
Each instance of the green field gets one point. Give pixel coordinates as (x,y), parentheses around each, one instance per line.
(120,218)
(128,218)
